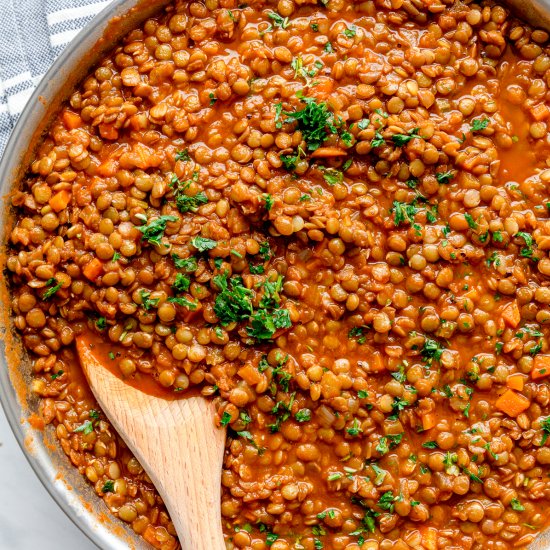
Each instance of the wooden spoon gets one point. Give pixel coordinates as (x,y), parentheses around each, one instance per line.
(178,445)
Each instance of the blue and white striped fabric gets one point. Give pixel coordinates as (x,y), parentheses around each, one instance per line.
(32,34)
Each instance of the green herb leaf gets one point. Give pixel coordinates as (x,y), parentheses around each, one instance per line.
(234,302)
(154,230)
(86,428)
(183,155)
(315,122)
(478,125)
(402,139)
(278,20)
(182,301)
(444,177)
(146,301)
(225,419)
(189,265)
(203,244)
(404,212)
(54,286)
(303,415)
(264,323)
(108,486)
(181,283)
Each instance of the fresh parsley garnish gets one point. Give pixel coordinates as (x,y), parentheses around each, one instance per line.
(53,286)
(154,230)
(189,265)
(203,244)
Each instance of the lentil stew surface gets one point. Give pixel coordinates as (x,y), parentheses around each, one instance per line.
(332,218)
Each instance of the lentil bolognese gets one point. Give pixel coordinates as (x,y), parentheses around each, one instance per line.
(332,217)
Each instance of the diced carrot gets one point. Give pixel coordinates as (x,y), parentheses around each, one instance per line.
(541,367)
(429,538)
(71,120)
(511,315)
(429,421)
(539,112)
(327,152)
(250,374)
(108,131)
(515,381)
(60,200)
(377,363)
(512,403)
(93,270)
(108,168)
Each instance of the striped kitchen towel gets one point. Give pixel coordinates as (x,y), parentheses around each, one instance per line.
(32,34)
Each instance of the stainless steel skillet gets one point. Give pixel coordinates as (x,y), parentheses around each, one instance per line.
(70,491)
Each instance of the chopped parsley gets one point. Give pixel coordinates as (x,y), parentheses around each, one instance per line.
(268,201)
(186,203)
(225,419)
(431,350)
(517,505)
(355,428)
(181,283)
(444,177)
(478,125)
(303,415)
(203,244)
(350,32)
(234,302)
(146,301)
(53,286)
(265,323)
(183,155)
(545,425)
(378,140)
(332,176)
(108,486)
(182,301)
(154,230)
(527,251)
(403,212)
(402,139)
(279,20)
(313,121)
(86,428)
(471,222)
(189,265)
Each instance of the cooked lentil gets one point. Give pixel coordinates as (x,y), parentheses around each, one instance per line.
(333,218)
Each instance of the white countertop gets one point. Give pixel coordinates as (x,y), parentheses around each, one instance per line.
(29,517)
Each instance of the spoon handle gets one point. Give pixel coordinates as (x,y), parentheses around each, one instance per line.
(178,445)
(536,12)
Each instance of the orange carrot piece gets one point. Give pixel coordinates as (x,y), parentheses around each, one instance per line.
(71,120)
(511,315)
(250,374)
(429,421)
(327,152)
(541,367)
(515,381)
(108,131)
(429,538)
(108,168)
(93,270)
(512,403)
(377,363)
(539,112)
(60,200)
